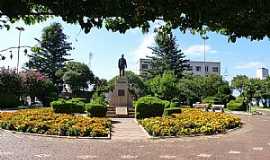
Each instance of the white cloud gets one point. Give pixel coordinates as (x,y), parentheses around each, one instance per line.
(142,50)
(249,65)
(198,49)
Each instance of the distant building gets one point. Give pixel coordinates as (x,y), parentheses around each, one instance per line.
(196,67)
(204,68)
(145,64)
(262,73)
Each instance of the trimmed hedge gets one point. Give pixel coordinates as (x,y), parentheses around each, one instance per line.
(237,105)
(149,107)
(170,111)
(84,100)
(166,104)
(69,107)
(96,110)
(173,105)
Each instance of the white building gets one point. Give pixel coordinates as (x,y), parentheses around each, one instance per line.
(262,73)
(196,67)
(204,68)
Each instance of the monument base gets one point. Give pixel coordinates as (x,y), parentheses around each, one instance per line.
(121,111)
(121,98)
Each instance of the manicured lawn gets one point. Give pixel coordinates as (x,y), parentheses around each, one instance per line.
(190,122)
(45,121)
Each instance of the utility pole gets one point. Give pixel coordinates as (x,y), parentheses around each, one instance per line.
(20,29)
(204,56)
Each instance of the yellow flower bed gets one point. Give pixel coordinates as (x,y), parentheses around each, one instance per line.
(190,122)
(45,121)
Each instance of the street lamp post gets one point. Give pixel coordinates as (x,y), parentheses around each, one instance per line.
(20,29)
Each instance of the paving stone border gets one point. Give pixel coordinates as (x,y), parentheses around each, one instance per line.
(56,136)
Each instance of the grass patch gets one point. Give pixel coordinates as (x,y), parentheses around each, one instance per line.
(45,121)
(190,122)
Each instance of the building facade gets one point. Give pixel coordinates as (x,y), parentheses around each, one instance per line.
(262,73)
(195,67)
(204,68)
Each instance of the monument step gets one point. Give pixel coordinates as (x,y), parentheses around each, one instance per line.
(120,116)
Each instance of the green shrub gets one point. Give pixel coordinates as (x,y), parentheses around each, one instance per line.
(170,111)
(174,105)
(96,110)
(9,101)
(149,107)
(84,100)
(233,105)
(62,106)
(166,104)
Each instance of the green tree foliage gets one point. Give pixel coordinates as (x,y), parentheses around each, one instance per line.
(232,18)
(165,86)
(196,88)
(77,75)
(136,84)
(166,55)
(239,83)
(50,54)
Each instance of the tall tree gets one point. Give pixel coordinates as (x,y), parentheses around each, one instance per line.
(166,55)
(51,52)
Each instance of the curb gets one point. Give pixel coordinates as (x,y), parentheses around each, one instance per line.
(56,136)
(147,134)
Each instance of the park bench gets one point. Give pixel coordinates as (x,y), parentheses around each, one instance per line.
(219,107)
(201,106)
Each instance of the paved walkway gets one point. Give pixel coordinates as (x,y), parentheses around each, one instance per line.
(127,129)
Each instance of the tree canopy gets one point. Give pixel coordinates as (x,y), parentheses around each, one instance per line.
(166,55)
(241,18)
(50,54)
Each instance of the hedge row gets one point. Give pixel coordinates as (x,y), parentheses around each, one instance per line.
(148,106)
(78,105)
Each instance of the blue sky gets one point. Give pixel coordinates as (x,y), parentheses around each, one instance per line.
(242,57)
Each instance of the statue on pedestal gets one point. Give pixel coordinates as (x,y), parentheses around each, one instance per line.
(122,65)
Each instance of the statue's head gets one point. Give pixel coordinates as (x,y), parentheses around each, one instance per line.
(122,56)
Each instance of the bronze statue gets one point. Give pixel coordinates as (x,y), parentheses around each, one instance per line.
(122,65)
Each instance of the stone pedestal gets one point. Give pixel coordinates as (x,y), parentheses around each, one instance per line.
(121,98)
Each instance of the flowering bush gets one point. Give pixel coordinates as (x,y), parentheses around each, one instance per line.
(37,85)
(45,121)
(190,122)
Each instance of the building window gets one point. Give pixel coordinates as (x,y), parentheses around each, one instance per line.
(206,68)
(144,66)
(215,69)
(198,68)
